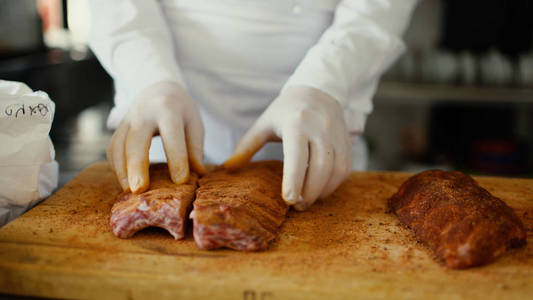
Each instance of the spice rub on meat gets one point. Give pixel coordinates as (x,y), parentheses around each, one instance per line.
(164,205)
(458,219)
(240,209)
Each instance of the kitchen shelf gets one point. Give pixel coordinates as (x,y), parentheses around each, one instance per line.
(409,93)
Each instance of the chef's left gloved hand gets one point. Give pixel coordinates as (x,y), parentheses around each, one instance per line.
(316,145)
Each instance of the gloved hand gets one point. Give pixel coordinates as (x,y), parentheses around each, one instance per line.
(166,109)
(316,145)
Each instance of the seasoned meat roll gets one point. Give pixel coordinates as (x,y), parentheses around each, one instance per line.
(459,220)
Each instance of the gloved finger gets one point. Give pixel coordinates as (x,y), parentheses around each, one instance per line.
(341,167)
(349,152)
(250,143)
(116,156)
(138,143)
(194,134)
(173,136)
(295,160)
(319,171)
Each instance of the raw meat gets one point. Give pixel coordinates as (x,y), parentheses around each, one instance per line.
(164,205)
(459,220)
(241,210)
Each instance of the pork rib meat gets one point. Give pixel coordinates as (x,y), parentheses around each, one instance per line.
(241,210)
(164,205)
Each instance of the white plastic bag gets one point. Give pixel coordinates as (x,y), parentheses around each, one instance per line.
(28,170)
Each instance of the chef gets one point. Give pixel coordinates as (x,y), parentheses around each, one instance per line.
(221,78)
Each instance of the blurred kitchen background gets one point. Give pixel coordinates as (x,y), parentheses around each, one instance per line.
(460,98)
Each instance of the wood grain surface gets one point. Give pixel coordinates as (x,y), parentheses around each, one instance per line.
(347,246)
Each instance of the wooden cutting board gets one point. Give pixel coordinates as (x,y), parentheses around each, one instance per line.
(345,247)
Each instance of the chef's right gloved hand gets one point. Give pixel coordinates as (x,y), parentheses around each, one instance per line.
(317,149)
(163,109)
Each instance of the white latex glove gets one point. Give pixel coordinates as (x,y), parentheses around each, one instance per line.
(163,109)
(316,144)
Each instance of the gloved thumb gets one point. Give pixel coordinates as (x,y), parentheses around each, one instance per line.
(251,142)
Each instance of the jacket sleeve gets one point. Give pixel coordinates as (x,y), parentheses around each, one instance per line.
(351,55)
(132,41)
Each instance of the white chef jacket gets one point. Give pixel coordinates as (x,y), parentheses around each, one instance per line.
(235,56)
